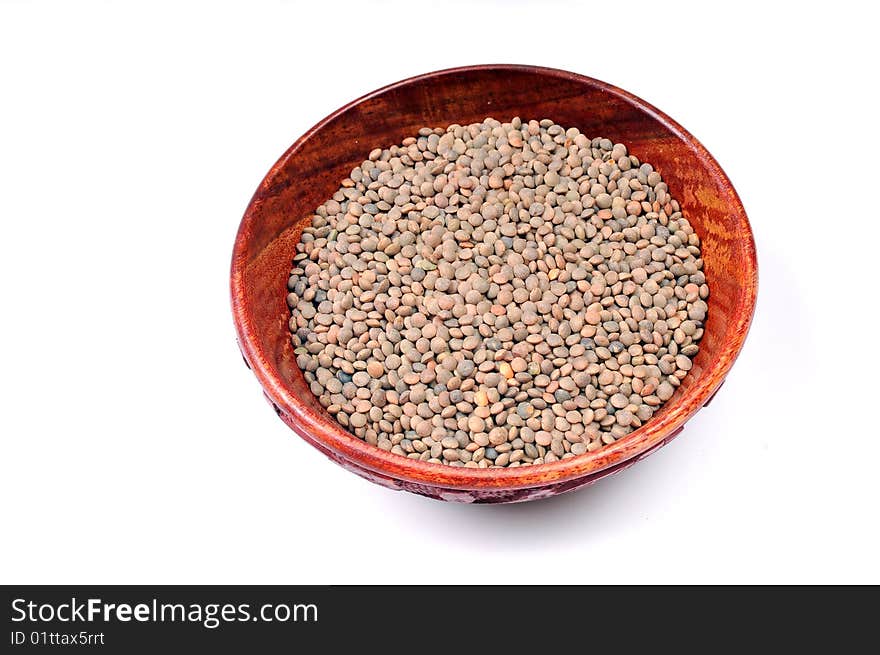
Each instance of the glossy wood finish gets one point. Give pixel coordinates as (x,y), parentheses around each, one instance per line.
(311,170)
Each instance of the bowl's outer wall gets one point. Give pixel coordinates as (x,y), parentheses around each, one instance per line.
(311,170)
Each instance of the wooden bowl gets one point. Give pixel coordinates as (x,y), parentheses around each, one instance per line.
(310,172)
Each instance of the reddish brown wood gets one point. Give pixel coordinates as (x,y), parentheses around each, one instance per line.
(311,170)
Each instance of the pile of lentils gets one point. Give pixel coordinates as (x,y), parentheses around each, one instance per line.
(497,294)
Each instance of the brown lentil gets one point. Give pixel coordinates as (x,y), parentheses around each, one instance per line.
(497,294)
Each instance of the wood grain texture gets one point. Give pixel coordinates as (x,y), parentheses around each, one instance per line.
(311,170)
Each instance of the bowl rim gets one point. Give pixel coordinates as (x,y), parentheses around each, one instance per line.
(324,430)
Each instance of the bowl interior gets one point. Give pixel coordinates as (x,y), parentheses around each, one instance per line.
(312,169)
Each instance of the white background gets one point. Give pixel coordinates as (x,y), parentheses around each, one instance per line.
(136,447)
